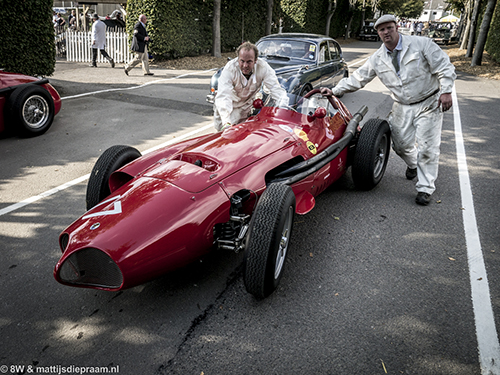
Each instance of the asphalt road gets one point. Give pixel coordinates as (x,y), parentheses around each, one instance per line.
(374,284)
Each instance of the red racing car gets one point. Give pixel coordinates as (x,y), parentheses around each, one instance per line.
(27,104)
(237,190)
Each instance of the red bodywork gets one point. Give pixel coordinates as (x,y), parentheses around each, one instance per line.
(10,81)
(163,208)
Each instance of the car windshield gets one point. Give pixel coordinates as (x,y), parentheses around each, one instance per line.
(287,49)
(306,106)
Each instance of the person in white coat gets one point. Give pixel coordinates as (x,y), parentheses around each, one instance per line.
(99,41)
(238,83)
(420,76)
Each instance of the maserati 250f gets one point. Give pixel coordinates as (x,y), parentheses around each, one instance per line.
(237,190)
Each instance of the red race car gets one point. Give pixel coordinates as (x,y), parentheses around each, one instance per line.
(237,190)
(27,104)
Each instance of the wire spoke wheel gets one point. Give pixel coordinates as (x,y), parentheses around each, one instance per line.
(283,247)
(36,111)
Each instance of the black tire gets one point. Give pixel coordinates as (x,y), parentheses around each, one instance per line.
(30,110)
(111,160)
(372,154)
(268,240)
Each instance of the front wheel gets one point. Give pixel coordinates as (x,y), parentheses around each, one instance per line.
(268,240)
(111,160)
(372,154)
(30,110)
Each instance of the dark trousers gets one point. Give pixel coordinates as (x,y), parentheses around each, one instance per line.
(94,55)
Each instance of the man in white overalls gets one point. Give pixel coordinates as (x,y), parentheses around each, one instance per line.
(239,81)
(420,76)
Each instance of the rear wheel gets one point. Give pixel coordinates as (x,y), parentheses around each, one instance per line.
(372,154)
(269,240)
(111,160)
(30,110)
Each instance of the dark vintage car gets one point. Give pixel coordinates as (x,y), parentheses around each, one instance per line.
(442,33)
(27,104)
(368,32)
(236,190)
(302,62)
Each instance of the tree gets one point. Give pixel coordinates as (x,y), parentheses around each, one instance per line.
(332,6)
(466,18)
(352,5)
(410,9)
(483,33)
(473,24)
(269,17)
(216,50)
(402,8)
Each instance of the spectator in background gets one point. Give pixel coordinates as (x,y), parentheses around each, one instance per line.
(139,45)
(72,20)
(99,41)
(71,16)
(60,21)
(420,27)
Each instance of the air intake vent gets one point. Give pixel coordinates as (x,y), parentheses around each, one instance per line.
(63,241)
(91,267)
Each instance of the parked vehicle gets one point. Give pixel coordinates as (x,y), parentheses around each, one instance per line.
(236,190)
(302,62)
(27,104)
(442,33)
(368,32)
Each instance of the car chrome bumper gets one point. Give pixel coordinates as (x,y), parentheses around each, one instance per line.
(211,98)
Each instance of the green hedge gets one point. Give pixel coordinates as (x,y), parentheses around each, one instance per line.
(27,43)
(176,28)
(184,28)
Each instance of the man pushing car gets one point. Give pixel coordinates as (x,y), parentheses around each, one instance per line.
(420,77)
(240,80)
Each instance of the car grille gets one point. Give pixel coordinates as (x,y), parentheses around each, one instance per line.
(91,267)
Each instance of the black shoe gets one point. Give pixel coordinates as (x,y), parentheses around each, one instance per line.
(411,173)
(93,65)
(125,70)
(149,74)
(112,62)
(423,199)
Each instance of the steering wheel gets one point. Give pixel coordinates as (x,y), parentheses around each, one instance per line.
(313,92)
(331,99)
(290,107)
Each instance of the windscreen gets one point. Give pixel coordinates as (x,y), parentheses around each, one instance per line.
(306,106)
(295,49)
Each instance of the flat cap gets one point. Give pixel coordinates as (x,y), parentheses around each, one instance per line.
(95,16)
(384,19)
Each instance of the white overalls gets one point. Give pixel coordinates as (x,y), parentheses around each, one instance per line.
(235,94)
(425,73)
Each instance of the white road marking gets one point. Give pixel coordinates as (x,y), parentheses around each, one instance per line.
(357,62)
(50,192)
(487,337)
(136,87)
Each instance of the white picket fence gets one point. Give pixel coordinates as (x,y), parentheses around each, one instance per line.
(78,47)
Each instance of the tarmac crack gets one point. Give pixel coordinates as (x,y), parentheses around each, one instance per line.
(232,278)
